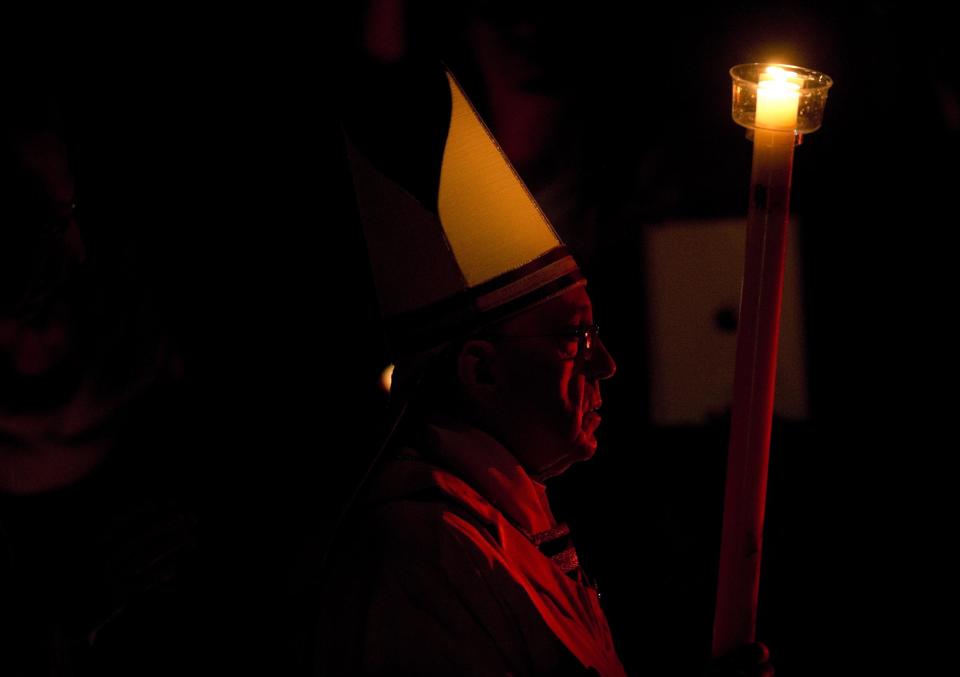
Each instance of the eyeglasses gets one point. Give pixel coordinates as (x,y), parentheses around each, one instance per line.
(585,335)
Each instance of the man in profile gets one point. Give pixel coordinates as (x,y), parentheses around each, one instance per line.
(450,561)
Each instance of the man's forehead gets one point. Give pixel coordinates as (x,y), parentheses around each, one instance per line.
(566,307)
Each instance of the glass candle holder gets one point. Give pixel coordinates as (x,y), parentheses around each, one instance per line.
(774,89)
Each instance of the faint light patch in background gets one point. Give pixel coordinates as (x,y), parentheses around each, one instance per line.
(386,378)
(694,273)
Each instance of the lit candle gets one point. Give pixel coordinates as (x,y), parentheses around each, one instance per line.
(778,98)
(775,126)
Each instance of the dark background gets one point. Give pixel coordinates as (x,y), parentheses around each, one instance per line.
(209,147)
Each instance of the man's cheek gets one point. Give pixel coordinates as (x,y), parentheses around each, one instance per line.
(578,422)
(576,395)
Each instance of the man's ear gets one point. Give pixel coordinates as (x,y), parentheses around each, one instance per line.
(476,372)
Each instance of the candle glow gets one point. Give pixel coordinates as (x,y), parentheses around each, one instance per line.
(778,99)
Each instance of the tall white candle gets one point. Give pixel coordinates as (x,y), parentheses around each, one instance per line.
(778,99)
(775,122)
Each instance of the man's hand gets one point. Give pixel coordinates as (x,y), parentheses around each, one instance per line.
(750,660)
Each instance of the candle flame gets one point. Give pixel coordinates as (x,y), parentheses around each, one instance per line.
(777,73)
(778,97)
(775,77)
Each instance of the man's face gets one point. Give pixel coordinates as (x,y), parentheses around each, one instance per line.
(548,392)
(41,243)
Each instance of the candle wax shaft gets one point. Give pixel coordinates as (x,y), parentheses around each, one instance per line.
(754,379)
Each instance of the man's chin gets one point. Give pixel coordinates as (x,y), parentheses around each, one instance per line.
(585,449)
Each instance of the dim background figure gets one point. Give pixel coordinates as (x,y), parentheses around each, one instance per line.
(94,523)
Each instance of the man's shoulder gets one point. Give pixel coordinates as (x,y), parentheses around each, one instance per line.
(431,523)
(432,577)
(415,501)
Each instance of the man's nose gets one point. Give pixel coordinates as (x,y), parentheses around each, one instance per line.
(601,364)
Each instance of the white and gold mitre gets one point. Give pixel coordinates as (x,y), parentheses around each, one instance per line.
(455,239)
